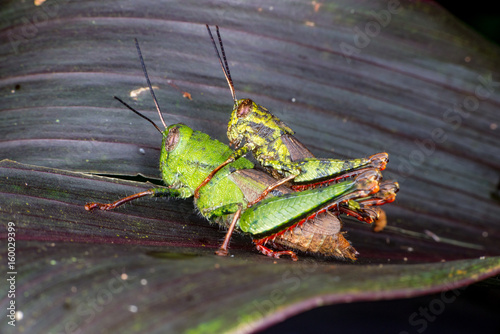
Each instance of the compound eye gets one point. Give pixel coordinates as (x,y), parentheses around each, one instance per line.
(172,139)
(244,108)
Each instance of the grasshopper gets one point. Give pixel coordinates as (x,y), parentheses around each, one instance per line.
(300,220)
(274,146)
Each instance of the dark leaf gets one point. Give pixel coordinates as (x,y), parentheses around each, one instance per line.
(150,267)
(422,87)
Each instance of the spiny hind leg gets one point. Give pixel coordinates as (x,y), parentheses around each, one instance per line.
(334,170)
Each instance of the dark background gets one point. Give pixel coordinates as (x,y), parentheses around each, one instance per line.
(475,310)
(482,16)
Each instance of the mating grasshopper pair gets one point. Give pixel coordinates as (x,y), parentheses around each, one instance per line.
(252,128)
(300,220)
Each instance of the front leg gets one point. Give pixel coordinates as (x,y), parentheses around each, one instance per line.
(280,167)
(180,192)
(234,156)
(225,210)
(222,251)
(269,189)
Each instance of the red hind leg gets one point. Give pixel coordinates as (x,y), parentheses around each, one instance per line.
(269,252)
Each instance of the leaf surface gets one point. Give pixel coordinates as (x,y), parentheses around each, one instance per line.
(423,87)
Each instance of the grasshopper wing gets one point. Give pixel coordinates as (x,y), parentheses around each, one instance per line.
(275,214)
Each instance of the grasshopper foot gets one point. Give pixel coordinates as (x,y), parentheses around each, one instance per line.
(100,206)
(381,221)
(222,252)
(266,251)
(114,205)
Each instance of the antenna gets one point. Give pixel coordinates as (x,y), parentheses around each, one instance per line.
(224,65)
(149,84)
(138,113)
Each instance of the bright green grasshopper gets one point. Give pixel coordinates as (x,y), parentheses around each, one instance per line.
(299,220)
(273,145)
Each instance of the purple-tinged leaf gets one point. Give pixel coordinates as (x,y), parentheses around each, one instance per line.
(422,87)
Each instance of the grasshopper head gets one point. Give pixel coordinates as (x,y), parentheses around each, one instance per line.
(173,144)
(240,121)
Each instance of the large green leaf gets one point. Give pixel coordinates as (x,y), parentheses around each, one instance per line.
(422,88)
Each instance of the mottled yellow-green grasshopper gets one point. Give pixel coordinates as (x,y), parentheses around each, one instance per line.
(297,220)
(252,128)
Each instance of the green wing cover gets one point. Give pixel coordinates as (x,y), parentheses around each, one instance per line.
(277,213)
